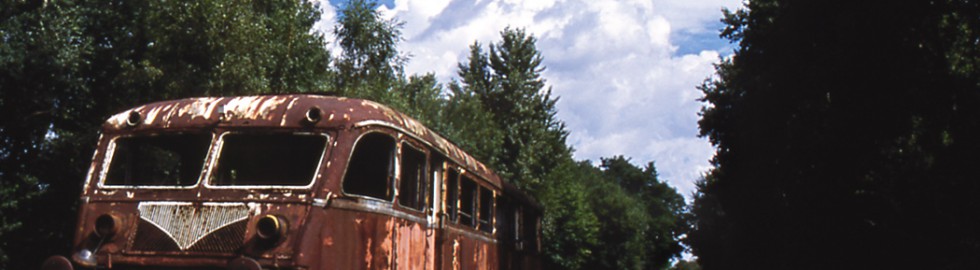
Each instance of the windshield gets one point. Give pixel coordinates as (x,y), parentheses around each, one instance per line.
(158,160)
(268,159)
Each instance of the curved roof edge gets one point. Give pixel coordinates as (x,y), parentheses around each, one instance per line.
(286,111)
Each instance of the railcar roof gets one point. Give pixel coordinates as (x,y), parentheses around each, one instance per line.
(285,111)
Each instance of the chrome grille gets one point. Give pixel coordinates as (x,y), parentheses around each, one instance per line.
(185,226)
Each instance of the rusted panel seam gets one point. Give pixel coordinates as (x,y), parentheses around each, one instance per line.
(384,210)
(471,234)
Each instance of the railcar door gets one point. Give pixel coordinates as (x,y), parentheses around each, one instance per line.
(446,238)
(415,242)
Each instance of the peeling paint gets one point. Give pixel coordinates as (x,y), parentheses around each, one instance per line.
(191,226)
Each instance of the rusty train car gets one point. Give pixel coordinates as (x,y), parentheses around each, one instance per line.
(293,182)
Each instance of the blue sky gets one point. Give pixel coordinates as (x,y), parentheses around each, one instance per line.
(625,71)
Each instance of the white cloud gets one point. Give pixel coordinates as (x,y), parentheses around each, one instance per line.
(624,88)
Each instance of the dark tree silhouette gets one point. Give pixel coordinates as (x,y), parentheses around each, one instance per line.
(846,135)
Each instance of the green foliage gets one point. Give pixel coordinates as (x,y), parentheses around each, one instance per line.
(596,220)
(646,211)
(370,62)
(421,97)
(508,84)
(471,126)
(40,50)
(622,233)
(843,139)
(570,228)
(468,122)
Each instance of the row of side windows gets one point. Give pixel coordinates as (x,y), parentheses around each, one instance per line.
(372,170)
(468,203)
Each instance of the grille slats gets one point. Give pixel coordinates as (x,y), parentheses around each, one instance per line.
(184,226)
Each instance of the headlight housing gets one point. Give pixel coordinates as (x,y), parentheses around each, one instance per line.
(271,228)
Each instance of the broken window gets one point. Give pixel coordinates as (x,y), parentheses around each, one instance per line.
(268,159)
(532,225)
(371,167)
(467,201)
(452,194)
(501,220)
(161,160)
(486,209)
(411,192)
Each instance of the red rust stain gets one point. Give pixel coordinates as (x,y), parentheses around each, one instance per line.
(368,253)
(456,254)
(412,246)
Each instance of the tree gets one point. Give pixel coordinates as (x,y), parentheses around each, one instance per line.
(468,122)
(843,133)
(643,216)
(370,62)
(623,242)
(570,228)
(39,52)
(508,83)
(501,111)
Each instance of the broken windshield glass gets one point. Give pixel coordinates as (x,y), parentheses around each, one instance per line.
(158,160)
(268,159)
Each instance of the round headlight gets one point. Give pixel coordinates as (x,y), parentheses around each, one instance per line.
(270,227)
(106,225)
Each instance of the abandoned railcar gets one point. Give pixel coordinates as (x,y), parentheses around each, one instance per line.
(292,182)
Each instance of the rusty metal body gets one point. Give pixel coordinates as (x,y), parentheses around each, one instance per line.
(435,207)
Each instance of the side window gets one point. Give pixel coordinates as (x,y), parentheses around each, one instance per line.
(532,225)
(518,228)
(467,201)
(486,210)
(412,189)
(452,194)
(371,167)
(502,218)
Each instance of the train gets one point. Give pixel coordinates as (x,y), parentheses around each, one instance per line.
(292,182)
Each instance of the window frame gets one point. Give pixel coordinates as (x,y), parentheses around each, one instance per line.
(474,201)
(111,151)
(451,211)
(391,181)
(489,227)
(422,202)
(218,145)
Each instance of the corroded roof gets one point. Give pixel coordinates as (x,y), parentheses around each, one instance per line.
(284,111)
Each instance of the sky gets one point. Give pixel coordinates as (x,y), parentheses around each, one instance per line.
(625,71)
